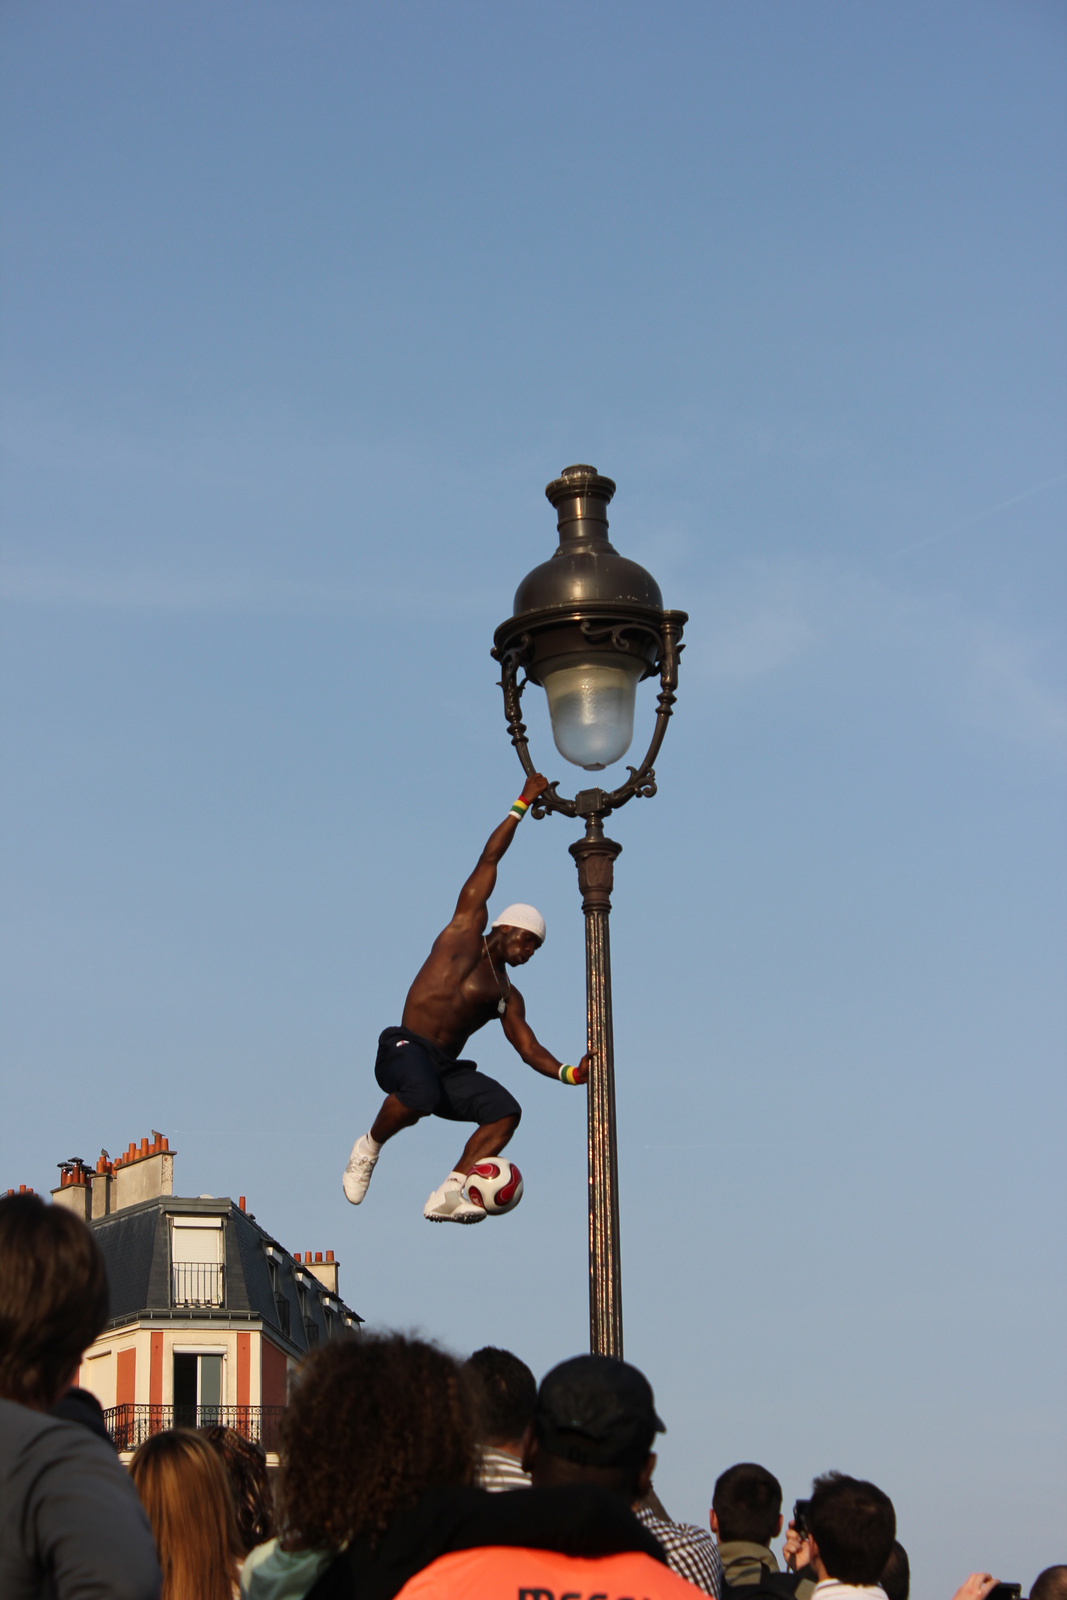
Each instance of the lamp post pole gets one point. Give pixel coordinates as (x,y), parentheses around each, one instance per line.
(588,625)
(595,858)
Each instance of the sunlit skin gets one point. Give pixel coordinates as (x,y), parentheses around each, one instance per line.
(457,990)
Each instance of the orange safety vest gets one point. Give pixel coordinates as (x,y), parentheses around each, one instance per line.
(499,1572)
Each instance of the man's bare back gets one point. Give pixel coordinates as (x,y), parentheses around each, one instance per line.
(462,985)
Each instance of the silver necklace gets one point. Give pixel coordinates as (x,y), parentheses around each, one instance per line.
(501,1005)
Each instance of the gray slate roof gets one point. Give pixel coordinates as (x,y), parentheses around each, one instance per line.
(135,1244)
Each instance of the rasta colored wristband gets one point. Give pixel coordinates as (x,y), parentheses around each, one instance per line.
(519,809)
(568,1074)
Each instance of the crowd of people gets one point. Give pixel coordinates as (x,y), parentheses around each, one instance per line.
(403,1472)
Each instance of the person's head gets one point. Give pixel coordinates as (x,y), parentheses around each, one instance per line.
(246,1467)
(896,1574)
(517,934)
(53,1298)
(372,1424)
(853,1526)
(1050,1584)
(594,1422)
(747,1505)
(507,1391)
(185,1491)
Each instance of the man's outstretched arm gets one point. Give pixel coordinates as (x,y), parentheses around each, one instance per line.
(521,1037)
(472,905)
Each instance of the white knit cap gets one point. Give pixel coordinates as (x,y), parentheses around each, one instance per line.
(520,916)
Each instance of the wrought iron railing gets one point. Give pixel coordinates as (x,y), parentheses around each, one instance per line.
(130,1425)
(196,1283)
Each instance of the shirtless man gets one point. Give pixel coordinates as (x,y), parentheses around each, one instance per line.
(462,985)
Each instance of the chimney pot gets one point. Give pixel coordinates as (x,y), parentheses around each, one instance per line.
(22,1188)
(241,1202)
(329,1255)
(144,1147)
(165,1143)
(318,1255)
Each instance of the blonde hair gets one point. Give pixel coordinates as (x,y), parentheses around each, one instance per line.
(185,1491)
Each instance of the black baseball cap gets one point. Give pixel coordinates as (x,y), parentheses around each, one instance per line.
(598,1412)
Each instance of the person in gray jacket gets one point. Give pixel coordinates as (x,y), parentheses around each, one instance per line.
(71,1525)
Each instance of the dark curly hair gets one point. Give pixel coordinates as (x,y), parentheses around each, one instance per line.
(373,1423)
(246,1463)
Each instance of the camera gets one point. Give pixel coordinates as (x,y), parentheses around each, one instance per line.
(800,1523)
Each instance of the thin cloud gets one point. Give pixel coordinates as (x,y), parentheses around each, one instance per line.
(979,516)
(770,622)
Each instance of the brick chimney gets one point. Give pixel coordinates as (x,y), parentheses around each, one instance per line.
(103,1183)
(325,1271)
(73,1190)
(143,1172)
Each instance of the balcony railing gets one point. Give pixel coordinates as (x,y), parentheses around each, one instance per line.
(196,1283)
(130,1425)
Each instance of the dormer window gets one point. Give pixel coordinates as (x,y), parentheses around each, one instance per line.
(281,1299)
(196,1245)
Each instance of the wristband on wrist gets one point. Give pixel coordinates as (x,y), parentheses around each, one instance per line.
(519,809)
(568,1074)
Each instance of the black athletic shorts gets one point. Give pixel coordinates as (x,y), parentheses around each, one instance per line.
(428,1080)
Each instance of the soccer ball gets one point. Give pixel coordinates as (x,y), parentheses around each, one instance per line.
(495,1185)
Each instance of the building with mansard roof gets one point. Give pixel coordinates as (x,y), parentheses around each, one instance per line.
(209,1314)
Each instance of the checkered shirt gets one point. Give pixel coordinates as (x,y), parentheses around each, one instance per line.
(691,1551)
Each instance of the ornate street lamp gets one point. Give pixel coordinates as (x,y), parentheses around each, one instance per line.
(588,626)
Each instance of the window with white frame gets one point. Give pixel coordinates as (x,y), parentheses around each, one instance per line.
(196,1256)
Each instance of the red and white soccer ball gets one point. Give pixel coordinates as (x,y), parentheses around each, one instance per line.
(495,1185)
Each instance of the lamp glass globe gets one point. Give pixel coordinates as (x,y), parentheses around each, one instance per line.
(591,703)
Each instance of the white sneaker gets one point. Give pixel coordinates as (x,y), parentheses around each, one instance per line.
(450,1204)
(360,1166)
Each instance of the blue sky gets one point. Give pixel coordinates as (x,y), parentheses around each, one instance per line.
(303,305)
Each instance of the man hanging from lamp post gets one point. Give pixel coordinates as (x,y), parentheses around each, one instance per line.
(462,985)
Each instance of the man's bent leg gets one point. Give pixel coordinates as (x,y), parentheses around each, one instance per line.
(488,1140)
(393,1116)
(406,1072)
(468,1095)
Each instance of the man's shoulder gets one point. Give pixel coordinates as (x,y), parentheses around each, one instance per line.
(498,1571)
(745,1562)
(42,1456)
(464,932)
(28,1433)
(690,1550)
(747,1550)
(71,1510)
(684,1532)
(751,1569)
